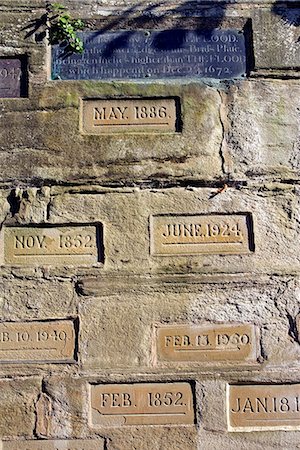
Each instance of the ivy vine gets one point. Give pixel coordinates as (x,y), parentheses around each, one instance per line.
(62,28)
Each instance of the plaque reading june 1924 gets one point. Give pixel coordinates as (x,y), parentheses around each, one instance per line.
(141,54)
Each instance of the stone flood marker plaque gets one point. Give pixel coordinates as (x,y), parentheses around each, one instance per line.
(224,343)
(203,234)
(74,245)
(11,78)
(141,54)
(141,404)
(70,444)
(263,407)
(128,115)
(44,342)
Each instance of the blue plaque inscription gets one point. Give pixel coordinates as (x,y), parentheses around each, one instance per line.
(219,54)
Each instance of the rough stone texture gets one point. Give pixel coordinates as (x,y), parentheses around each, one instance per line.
(18,399)
(256,137)
(126,226)
(238,152)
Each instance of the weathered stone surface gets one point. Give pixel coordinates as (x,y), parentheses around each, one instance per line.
(276,37)
(52,147)
(126,224)
(73,444)
(18,399)
(263,141)
(117,319)
(36,298)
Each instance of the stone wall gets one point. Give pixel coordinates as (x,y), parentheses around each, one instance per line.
(150,280)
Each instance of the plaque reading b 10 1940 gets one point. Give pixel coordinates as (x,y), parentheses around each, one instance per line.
(69,244)
(37,342)
(216,53)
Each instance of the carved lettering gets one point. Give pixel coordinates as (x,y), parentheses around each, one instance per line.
(50,341)
(51,245)
(213,343)
(263,407)
(133,116)
(188,235)
(141,404)
(219,54)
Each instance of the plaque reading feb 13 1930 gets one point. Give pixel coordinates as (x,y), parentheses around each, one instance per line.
(200,234)
(231,343)
(140,54)
(69,244)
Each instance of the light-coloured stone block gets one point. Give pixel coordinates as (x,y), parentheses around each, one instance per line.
(32,342)
(156,115)
(263,407)
(73,245)
(141,404)
(207,344)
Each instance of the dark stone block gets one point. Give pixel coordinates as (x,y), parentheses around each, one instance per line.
(219,54)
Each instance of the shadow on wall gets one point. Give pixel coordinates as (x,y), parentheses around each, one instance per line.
(289,14)
(177,18)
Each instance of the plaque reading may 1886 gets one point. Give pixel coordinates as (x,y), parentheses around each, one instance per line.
(202,234)
(128,115)
(51,341)
(216,53)
(141,404)
(51,245)
(11,78)
(225,343)
(263,407)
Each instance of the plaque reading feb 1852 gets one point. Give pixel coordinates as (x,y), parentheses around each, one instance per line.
(141,54)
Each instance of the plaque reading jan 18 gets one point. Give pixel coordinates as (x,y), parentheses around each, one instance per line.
(141,54)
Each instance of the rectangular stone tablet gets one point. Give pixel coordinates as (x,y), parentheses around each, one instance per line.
(73,245)
(72,444)
(155,115)
(141,404)
(226,343)
(200,234)
(154,54)
(34,342)
(10,77)
(263,407)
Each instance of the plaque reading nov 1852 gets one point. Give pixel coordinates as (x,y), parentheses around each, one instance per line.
(141,54)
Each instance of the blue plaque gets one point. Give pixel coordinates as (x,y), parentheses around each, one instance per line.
(119,55)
